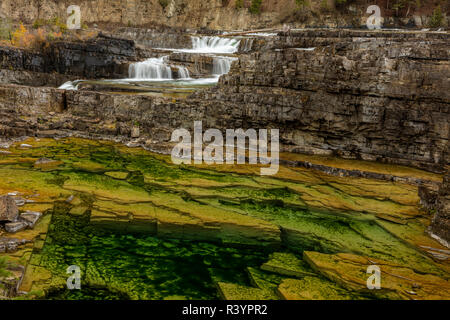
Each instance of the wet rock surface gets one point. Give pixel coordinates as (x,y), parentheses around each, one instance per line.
(101,57)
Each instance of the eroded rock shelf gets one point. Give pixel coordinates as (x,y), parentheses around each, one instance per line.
(142,228)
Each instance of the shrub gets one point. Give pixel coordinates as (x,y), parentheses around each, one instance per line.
(164,3)
(437,18)
(38,23)
(20,37)
(324,5)
(255,7)
(36,39)
(239,4)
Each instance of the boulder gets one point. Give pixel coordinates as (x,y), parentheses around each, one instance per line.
(14,227)
(30,218)
(8,209)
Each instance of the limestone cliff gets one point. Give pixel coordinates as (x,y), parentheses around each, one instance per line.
(216,14)
(373,96)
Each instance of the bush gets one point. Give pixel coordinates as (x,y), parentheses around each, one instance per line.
(437,18)
(56,22)
(255,7)
(39,23)
(36,39)
(239,4)
(324,5)
(164,3)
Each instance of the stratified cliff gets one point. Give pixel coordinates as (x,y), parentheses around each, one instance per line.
(373,96)
(380,96)
(221,14)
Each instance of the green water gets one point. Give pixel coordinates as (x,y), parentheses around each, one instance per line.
(139,266)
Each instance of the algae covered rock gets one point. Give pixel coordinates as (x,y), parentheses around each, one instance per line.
(312,288)
(397,282)
(287,264)
(231,291)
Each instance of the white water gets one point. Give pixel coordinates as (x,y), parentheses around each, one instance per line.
(157,69)
(262,34)
(214,45)
(70,85)
(222,65)
(183,73)
(248,45)
(153,68)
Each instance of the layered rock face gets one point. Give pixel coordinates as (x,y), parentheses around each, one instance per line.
(102,57)
(357,96)
(365,95)
(216,14)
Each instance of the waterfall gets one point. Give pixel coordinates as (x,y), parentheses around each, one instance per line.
(70,85)
(247,45)
(153,68)
(214,45)
(183,73)
(222,65)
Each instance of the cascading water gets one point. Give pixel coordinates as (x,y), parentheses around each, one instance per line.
(222,65)
(214,45)
(183,73)
(153,68)
(247,45)
(142,73)
(156,69)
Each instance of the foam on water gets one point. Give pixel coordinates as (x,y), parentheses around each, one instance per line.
(222,65)
(70,85)
(214,45)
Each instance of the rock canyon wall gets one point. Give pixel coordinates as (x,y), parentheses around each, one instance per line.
(380,96)
(218,14)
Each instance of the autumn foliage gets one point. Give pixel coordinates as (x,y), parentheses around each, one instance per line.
(34,39)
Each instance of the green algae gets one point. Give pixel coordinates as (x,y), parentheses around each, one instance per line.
(287,264)
(313,288)
(134,217)
(139,267)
